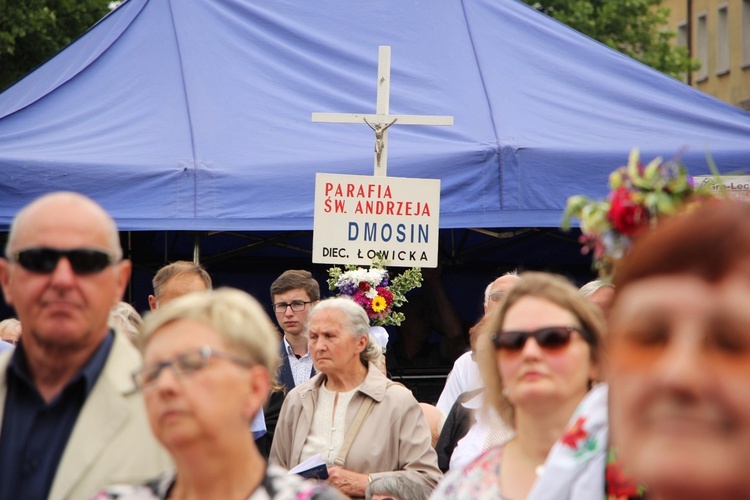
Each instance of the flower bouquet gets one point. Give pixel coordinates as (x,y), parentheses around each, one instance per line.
(640,195)
(374,290)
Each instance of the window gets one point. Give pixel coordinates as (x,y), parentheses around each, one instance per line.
(701,47)
(682,33)
(722,41)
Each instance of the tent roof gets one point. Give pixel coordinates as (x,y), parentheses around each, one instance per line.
(195,114)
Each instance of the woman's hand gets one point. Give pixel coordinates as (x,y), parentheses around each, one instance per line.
(348,482)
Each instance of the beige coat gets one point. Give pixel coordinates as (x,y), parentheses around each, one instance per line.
(111,441)
(395,436)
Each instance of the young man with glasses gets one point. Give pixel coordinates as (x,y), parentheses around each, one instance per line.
(71,420)
(293,295)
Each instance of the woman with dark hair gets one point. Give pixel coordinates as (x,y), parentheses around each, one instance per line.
(679,352)
(539,356)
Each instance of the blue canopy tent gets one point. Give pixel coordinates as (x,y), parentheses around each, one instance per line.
(195,114)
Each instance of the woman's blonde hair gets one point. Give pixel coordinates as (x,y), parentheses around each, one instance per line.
(552,288)
(357,323)
(239,319)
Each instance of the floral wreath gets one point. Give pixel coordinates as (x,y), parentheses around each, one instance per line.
(640,195)
(374,290)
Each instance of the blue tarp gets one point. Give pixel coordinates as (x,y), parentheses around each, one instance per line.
(196,114)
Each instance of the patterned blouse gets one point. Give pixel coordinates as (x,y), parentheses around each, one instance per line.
(478,480)
(580,465)
(276,485)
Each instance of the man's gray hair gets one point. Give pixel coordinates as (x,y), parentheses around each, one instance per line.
(488,290)
(398,486)
(589,288)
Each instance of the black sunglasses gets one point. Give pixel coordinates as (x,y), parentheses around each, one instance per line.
(550,338)
(44,260)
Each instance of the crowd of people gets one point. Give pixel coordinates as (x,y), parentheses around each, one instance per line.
(629,389)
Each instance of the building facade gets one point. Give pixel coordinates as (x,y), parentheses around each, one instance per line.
(717,33)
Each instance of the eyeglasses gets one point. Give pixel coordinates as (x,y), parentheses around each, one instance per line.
(551,338)
(497,296)
(296,305)
(44,260)
(183,364)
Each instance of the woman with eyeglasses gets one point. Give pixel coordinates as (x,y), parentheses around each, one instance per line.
(539,357)
(208,359)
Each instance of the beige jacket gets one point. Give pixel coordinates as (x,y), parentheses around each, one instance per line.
(395,436)
(111,441)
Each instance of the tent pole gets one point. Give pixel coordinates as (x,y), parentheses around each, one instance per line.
(130,256)
(197,248)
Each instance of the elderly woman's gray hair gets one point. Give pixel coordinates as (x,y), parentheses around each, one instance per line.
(357,323)
(240,320)
(125,319)
(398,486)
(10,330)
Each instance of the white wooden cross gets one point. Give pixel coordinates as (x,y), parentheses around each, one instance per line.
(381,120)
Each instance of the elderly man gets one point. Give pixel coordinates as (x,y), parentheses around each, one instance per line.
(465,376)
(72,422)
(178,279)
(462,395)
(600,293)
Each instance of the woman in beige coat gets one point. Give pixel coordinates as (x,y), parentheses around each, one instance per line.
(319,416)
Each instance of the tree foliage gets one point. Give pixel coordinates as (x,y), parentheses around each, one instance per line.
(32,31)
(636,28)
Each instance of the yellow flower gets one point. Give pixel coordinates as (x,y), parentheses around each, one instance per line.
(379,304)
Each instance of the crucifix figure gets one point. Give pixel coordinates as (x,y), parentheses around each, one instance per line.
(381,120)
(379,130)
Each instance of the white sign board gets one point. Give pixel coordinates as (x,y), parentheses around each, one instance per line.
(736,187)
(357,216)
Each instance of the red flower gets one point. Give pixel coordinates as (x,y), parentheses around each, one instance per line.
(627,216)
(364,286)
(575,433)
(386,294)
(618,484)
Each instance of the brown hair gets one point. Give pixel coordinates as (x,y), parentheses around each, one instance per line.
(179,268)
(293,279)
(711,242)
(552,288)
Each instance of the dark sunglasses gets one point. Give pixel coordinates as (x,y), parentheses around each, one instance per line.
(44,260)
(550,338)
